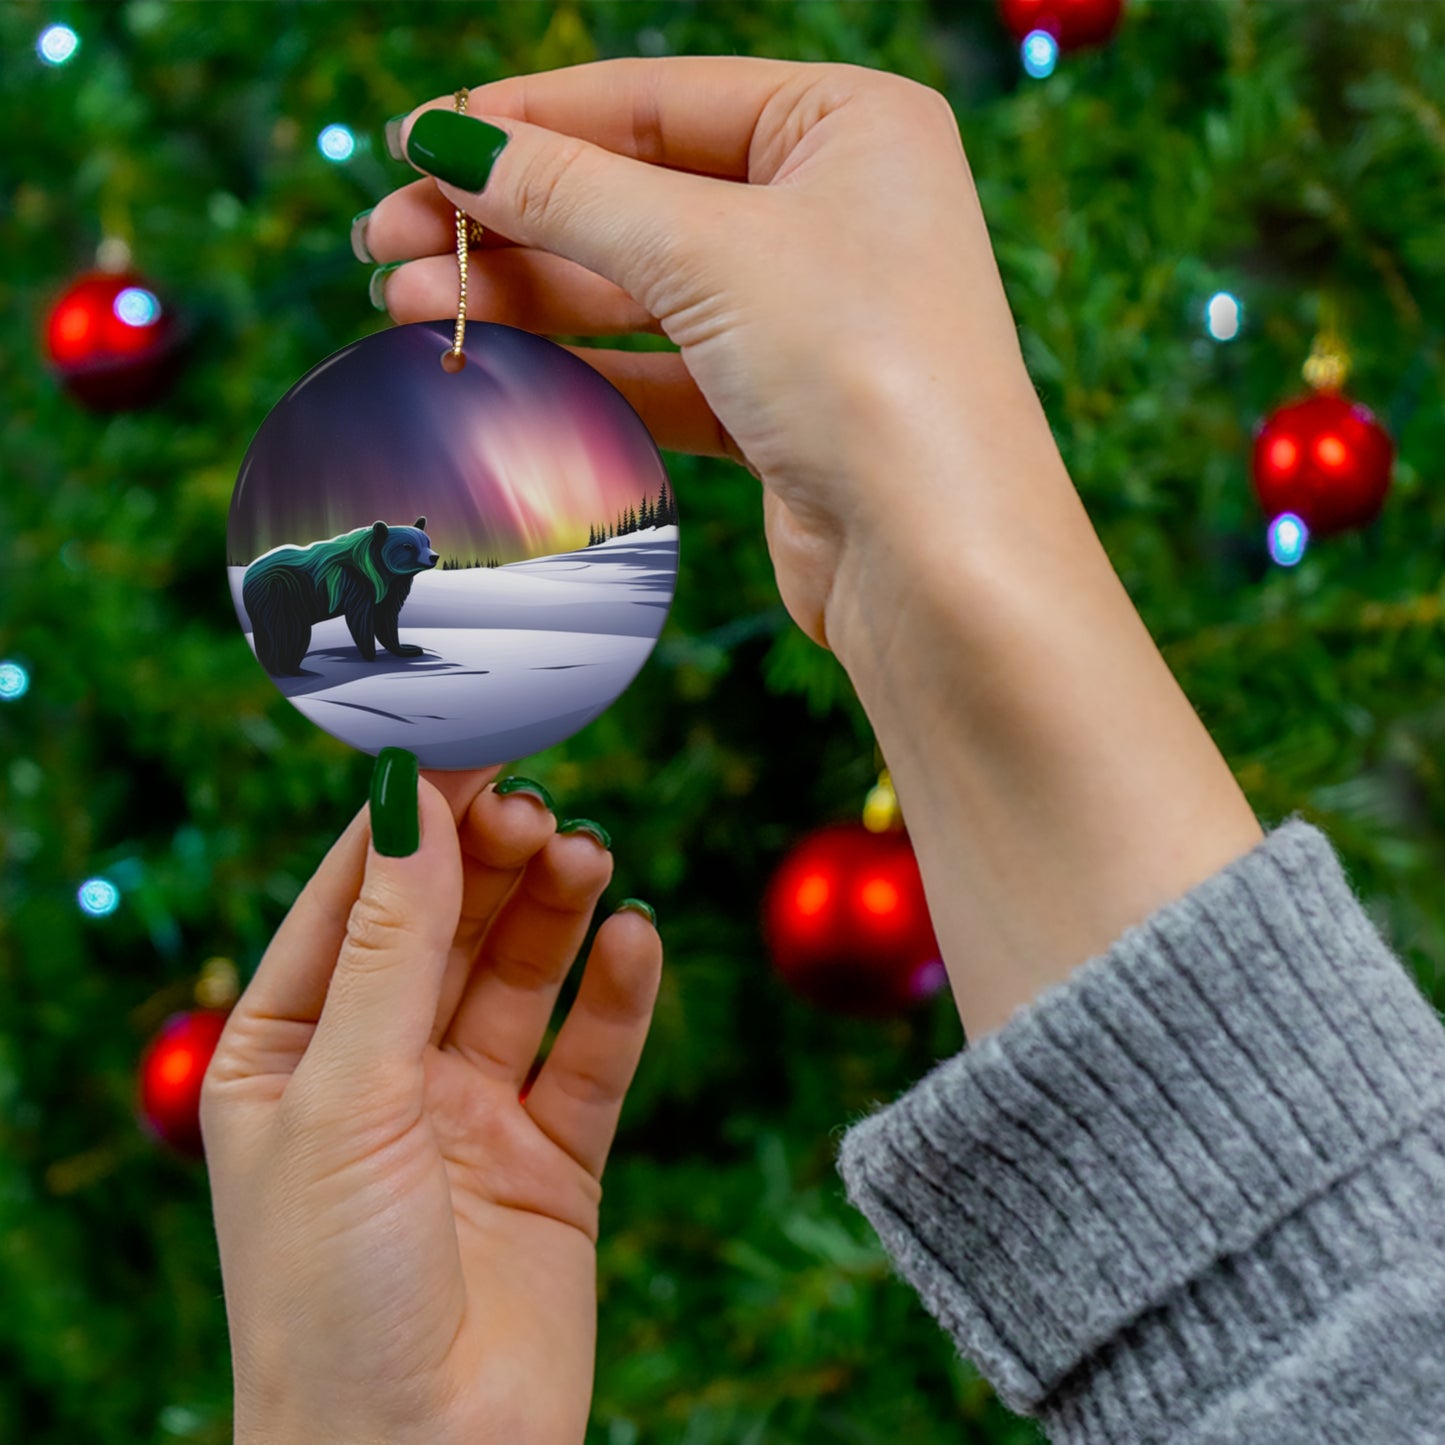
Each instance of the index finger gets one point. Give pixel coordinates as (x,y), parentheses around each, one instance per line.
(695,113)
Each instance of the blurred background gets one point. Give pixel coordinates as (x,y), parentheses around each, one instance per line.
(1191,204)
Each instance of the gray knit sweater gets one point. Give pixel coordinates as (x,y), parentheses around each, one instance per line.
(1196,1192)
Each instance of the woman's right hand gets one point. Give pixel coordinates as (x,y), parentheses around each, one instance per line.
(843,330)
(841,305)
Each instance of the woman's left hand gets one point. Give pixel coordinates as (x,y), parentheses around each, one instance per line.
(407,1236)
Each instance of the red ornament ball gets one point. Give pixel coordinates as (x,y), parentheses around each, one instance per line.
(1073,23)
(847,923)
(171,1072)
(1324,458)
(112,341)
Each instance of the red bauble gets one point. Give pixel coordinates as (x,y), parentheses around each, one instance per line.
(112,341)
(171,1071)
(847,923)
(1073,23)
(1324,458)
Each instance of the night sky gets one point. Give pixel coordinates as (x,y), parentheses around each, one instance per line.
(511,457)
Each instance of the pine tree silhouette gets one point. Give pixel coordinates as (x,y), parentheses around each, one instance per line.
(665,515)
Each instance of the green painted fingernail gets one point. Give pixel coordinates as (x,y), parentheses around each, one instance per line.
(636,905)
(376,288)
(458,149)
(359,248)
(392,132)
(395,820)
(526,785)
(586,825)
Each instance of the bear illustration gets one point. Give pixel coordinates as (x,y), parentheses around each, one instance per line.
(364,575)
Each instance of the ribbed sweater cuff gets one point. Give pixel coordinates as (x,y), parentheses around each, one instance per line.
(1159,1155)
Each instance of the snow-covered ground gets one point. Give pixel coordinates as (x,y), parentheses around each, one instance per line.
(517,657)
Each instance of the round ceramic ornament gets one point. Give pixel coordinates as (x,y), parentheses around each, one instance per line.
(468,561)
(467,551)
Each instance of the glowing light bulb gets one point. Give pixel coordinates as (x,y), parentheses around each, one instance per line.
(1223,316)
(336,143)
(57,44)
(14,681)
(98,897)
(137,307)
(1040,52)
(1288,537)
(929,978)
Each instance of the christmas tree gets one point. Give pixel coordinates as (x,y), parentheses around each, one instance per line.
(1287,157)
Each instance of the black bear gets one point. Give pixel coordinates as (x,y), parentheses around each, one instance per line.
(365,575)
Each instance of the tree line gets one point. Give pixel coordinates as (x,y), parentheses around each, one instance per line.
(456,564)
(661,513)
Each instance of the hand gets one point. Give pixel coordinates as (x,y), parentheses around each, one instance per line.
(408,1247)
(844,298)
(810,237)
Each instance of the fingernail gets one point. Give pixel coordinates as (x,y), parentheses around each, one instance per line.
(395,820)
(359,248)
(376,287)
(586,825)
(458,149)
(636,905)
(393,136)
(526,785)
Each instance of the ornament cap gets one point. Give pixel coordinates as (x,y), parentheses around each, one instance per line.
(218,985)
(113,254)
(1328,365)
(880,809)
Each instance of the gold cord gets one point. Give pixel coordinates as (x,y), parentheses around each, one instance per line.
(468,232)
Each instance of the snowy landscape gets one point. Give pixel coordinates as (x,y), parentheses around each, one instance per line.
(516,657)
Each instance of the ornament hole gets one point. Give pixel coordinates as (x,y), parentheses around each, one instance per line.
(453,361)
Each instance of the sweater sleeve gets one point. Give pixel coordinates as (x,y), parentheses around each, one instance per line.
(1196,1192)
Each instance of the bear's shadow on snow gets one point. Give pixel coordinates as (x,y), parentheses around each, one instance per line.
(346,664)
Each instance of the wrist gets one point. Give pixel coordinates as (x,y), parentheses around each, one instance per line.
(1057,784)
(952,473)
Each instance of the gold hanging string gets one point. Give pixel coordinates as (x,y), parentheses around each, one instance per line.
(469,232)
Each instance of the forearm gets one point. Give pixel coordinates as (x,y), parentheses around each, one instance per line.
(1057,784)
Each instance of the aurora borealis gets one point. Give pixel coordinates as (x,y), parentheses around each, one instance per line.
(513,456)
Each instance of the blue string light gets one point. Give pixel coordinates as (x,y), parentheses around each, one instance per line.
(1223,316)
(336,143)
(98,897)
(1040,52)
(1288,537)
(57,44)
(136,306)
(14,681)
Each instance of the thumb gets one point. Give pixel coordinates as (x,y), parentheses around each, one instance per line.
(382,999)
(633,223)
